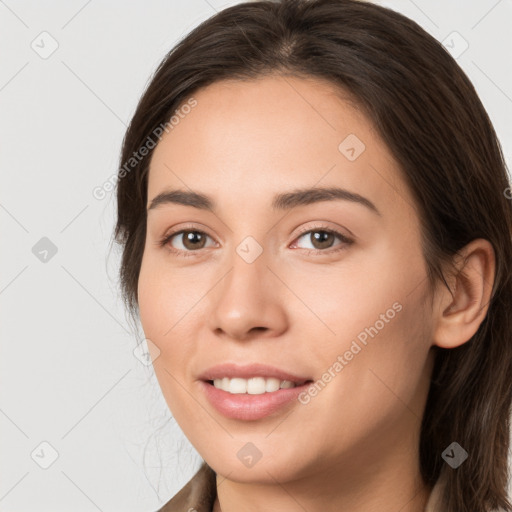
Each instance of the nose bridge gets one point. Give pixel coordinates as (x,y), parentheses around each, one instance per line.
(247,297)
(248,262)
(244,286)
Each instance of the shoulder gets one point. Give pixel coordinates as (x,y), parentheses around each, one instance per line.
(198,495)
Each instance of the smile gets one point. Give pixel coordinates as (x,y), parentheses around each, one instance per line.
(253,386)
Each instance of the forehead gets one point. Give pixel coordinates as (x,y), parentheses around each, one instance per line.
(255,138)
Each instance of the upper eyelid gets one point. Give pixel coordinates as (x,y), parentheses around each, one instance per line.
(302,232)
(345,239)
(320,227)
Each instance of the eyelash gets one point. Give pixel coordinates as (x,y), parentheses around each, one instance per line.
(163,242)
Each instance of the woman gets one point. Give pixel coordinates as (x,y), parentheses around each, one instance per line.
(339,336)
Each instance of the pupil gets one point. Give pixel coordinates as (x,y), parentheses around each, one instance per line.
(192,237)
(322,237)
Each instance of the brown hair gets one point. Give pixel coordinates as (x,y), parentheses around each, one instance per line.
(428,113)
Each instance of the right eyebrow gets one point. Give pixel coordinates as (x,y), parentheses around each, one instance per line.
(183,197)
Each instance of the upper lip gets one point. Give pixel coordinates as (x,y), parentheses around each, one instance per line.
(232,370)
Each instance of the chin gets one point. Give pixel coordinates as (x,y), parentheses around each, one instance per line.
(263,472)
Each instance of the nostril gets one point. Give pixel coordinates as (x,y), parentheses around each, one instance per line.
(259,329)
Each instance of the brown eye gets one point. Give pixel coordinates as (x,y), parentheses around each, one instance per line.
(193,239)
(188,241)
(321,239)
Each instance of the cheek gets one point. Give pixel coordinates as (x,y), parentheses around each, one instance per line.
(171,309)
(149,292)
(158,303)
(165,297)
(377,393)
(385,361)
(379,326)
(161,306)
(348,296)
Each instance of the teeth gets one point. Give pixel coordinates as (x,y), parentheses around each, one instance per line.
(272,385)
(252,386)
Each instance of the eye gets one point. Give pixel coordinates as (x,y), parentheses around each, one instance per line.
(322,238)
(187,240)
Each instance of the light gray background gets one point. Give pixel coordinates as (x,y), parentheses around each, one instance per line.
(69,376)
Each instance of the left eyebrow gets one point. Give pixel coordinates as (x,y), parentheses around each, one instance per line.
(283,201)
(305,196)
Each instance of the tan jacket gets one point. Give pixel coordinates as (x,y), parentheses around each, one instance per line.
(199,494)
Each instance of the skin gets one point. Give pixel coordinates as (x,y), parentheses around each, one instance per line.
(354,446)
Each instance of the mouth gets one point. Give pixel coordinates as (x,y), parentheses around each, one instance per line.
(251,379)
(253,391)
(252,398)
(254,385)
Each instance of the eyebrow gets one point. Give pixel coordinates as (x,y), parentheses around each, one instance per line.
(283,201)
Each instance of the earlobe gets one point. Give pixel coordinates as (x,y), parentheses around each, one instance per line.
(460,313)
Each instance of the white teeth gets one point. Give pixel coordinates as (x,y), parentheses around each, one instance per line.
(237,385)
(256,386)
(272,384)
(252,386)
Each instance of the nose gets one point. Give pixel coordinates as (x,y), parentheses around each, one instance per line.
(248,302)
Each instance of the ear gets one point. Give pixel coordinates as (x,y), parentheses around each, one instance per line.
(458,317)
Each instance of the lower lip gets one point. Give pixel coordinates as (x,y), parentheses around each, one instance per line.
(242,406)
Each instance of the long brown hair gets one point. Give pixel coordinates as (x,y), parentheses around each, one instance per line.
(428,113)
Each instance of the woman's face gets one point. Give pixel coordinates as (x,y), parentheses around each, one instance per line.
(322,286)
